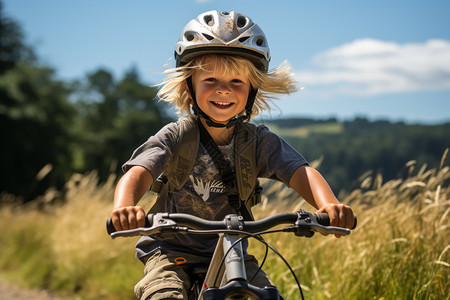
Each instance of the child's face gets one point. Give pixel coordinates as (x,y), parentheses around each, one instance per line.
(221,95)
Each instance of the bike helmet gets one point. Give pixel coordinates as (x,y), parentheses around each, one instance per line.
(216,32)
(227,33)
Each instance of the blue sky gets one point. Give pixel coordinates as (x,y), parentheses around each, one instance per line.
(385,59)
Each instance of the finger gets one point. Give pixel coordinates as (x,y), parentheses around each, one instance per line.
(116,222)
(124,220)
(348,217)
(321,210)
(132,220)
(140,218)
(349,220)
(333,214)
(334,218)
(342,218)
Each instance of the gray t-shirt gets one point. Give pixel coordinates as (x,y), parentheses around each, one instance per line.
(204,194)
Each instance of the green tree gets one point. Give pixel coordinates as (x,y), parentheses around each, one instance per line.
(116,117)
(70,126)
(35,118)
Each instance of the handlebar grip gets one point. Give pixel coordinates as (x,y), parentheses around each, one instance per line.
(109,226)
(111,229)
(324,219)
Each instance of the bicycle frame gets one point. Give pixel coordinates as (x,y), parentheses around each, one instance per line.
(232,276)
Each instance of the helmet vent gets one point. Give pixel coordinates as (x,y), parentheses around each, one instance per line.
(243,39)
(189,36)
(260,41)
(241,21)
(208,37)
(208,20)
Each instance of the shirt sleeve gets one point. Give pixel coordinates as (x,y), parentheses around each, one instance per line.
(157,152)
(276,159)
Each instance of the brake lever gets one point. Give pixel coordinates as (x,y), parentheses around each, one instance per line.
(331,230)
(135,232)
(159,225)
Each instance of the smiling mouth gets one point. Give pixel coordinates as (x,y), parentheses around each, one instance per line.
(222,104)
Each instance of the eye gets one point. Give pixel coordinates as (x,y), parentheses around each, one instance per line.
(209,79)
(236,81)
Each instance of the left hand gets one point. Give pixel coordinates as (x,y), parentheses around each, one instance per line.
(341,215)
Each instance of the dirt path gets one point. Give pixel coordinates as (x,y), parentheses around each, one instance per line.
(9,291)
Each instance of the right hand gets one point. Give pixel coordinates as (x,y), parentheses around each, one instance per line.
(128,217)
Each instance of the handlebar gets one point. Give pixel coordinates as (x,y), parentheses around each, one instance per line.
(303,223)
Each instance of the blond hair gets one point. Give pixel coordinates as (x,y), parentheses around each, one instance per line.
(278,80)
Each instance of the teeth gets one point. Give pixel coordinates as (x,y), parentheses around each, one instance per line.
(222,103)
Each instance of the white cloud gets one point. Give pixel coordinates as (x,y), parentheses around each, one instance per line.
(371,67)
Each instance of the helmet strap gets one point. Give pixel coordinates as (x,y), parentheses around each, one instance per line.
(198,112)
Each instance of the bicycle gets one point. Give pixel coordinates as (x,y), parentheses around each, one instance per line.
(225,277)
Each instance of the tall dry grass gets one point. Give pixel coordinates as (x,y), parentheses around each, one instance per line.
(400,249)
(63,245)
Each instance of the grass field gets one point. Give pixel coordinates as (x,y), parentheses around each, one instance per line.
(400,249)
(305,130)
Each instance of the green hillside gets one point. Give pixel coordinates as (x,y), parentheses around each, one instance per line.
(349,149)
(306,130)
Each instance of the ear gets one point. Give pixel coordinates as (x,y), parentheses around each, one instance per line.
(190,88)
(186,89)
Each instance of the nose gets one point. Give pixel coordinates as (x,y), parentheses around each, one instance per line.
(223,89)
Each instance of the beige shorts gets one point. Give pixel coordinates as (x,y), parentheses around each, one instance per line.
(166,275)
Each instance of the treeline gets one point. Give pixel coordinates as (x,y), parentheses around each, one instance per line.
(51,128)
(361,146)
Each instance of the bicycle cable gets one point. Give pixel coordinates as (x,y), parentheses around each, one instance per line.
(262,263)
(249,235)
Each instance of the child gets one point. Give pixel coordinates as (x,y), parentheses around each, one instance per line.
(221,81)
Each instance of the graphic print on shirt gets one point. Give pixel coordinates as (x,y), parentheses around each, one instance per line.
(205,178)
(204,189)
